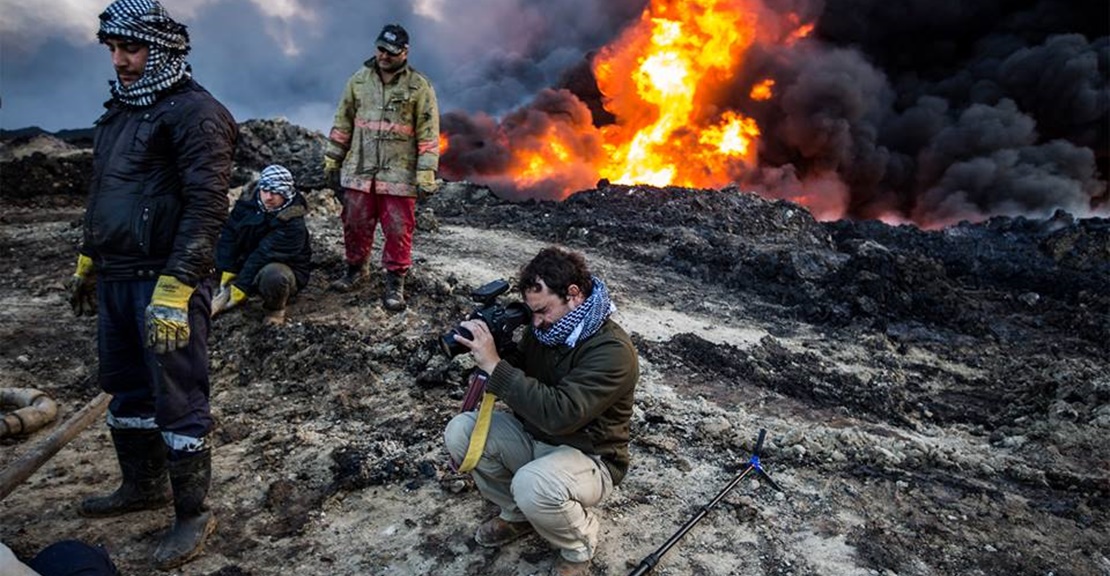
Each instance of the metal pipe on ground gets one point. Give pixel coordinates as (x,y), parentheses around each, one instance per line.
(35,410)
(26,465)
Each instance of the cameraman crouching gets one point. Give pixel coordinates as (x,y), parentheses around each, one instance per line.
(565,444)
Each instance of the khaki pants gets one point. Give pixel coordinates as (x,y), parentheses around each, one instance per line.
(549,486)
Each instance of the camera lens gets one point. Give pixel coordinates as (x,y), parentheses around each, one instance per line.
(448,344)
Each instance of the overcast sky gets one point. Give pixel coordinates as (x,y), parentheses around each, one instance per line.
(291,58)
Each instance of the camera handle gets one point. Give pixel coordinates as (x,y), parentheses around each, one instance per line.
(476,395)
(648,563)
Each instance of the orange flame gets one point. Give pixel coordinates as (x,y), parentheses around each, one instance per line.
(662,80)
(677,57)
(536,164)
(802,30)
(763,90)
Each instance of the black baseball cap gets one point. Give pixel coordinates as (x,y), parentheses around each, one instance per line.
(393,39)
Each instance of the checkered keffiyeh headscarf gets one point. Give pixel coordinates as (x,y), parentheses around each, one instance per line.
(278,180)
(582,322)
(148,22)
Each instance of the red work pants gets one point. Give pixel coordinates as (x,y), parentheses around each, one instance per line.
(361,213)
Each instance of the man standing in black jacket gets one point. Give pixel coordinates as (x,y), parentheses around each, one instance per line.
(265,246)
(161,165)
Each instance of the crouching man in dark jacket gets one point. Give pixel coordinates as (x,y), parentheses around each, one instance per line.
(264,248)
(565,444)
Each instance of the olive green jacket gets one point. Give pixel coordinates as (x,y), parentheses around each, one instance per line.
(580,397)
(385,133)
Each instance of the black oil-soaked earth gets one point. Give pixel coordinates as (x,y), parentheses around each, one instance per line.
(937,402)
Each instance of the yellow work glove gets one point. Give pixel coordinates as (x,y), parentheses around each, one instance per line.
(425,183)
(167,316)
(227,298)
(81,287)
(331,173)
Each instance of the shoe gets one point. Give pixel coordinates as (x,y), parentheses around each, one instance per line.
(564,567)
(193,521)
(394,297)
(496,532)
(274,317)
(356,273)
(145,486)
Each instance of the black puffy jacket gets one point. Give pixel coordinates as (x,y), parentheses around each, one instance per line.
(252,239)
(159,188)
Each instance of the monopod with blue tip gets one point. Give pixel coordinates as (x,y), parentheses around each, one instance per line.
(649,563)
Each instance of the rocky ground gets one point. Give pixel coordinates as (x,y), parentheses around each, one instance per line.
(936,403)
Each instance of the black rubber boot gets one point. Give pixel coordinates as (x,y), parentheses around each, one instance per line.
(142,464)
(194,522)
(354,276)
(394,297)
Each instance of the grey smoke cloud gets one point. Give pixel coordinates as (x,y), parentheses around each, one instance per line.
(931,111)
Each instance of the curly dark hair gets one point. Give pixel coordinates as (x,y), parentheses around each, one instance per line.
(559,268)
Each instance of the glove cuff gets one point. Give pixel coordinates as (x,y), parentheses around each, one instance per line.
(171,292)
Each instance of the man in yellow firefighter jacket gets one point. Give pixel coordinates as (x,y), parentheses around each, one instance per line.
(382,154)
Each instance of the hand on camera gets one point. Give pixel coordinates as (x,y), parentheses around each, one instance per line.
(482,346)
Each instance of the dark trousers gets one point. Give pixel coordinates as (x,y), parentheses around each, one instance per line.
(168,392)
(275,283)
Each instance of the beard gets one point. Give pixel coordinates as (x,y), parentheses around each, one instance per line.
(392,65)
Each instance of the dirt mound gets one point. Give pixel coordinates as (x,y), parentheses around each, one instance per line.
(834,273)
(276,141)
(46,169)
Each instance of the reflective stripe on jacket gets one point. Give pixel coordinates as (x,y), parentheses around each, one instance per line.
(384,133)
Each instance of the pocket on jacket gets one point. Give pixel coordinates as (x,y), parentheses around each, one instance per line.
(141,227)
(143,133)
(155,225)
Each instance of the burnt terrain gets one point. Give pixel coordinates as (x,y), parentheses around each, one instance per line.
(936,402)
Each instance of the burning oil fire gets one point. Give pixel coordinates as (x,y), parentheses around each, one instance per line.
(676,56)
(660,79)
(711,93)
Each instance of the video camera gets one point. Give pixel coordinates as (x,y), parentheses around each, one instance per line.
(502,320)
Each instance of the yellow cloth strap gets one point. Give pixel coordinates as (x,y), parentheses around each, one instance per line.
(84,266)
(479,435)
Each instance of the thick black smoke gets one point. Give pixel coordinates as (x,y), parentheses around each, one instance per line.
(484,146)
(930,111)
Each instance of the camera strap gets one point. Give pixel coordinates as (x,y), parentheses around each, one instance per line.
(477,388)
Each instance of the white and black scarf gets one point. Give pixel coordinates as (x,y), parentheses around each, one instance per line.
(582,322)
(148,22)
(278,180)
